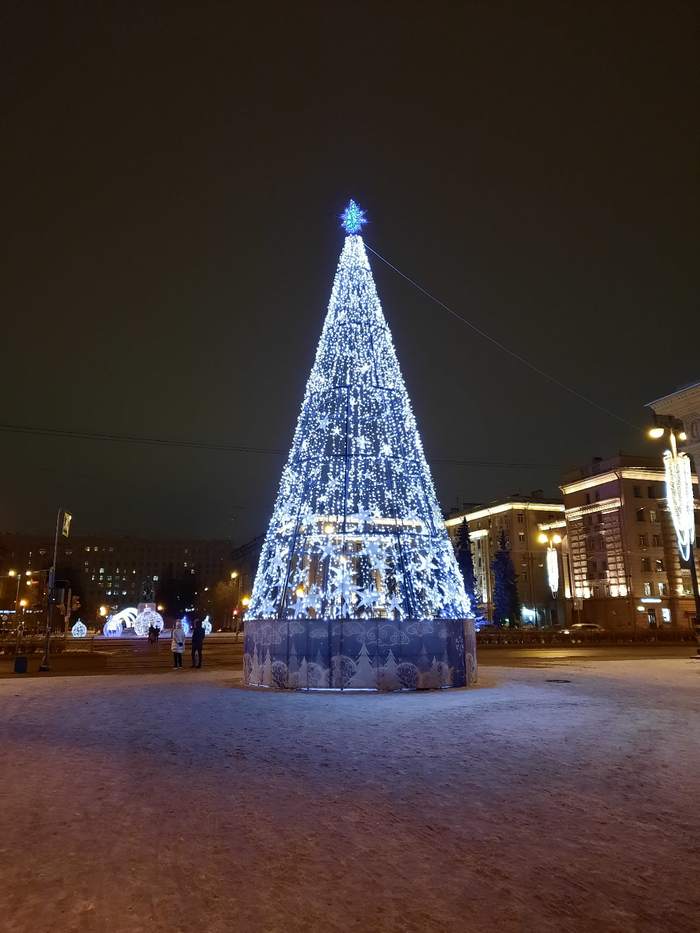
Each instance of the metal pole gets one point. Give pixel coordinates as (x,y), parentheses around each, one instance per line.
(44,666)
(696,592)
(18,640)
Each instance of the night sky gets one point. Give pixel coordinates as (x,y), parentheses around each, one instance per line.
(171,180)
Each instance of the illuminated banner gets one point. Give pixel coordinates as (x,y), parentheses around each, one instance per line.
(553,570)
(679,491)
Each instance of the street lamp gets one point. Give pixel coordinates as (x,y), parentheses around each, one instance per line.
(679,495)
(12,574)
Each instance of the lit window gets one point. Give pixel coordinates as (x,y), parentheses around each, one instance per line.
(647,588)
(659,565)
(662,589)
(666,614)
(521,536)
(652,515)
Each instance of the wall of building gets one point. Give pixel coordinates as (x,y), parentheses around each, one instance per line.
(625,565)
(519,518)
(112,570)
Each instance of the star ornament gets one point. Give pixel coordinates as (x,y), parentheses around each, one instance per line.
(353,218)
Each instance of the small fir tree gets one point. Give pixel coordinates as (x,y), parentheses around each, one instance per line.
(465,562)
(506,602)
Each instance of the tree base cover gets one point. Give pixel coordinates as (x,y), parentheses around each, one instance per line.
(359,654)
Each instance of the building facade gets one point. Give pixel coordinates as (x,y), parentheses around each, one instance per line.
(522,519)
(114,571)
(624,564)
(685,405)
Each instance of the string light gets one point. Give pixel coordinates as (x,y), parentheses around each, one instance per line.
(79,630)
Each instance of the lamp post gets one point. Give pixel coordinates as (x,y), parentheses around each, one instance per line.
(679,495)
(11,575)
(552,560)
(235,578)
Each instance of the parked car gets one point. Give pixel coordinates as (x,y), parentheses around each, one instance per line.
(579,629)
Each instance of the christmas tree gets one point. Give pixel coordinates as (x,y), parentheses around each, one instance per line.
(506,602)
(465,562)
(356,532)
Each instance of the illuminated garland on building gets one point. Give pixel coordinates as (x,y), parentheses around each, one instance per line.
(679,493)
(553,570)
(356,531)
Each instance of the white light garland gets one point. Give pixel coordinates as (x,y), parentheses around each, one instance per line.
(553,570)
(679,493)
(356,530)
(79,630)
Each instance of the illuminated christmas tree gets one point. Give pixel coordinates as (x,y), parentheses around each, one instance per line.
(357,539)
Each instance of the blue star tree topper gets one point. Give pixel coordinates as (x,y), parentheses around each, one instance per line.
(353,219)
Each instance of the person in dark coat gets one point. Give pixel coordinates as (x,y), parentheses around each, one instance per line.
(197,643)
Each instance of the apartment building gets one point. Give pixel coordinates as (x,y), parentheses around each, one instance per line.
(522,519)
(625,569)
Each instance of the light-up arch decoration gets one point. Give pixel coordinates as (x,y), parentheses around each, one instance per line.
(145,619)
(79,630)
(115,624)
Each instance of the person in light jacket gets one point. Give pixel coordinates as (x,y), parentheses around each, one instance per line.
(177,645)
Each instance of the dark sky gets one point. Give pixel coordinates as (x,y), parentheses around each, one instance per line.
(171,180)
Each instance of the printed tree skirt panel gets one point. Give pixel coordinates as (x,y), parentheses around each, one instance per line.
(359,654)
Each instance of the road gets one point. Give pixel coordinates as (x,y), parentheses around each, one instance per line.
(225,652)
(547,657)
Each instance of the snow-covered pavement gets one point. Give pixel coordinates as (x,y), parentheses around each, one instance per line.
(180,802)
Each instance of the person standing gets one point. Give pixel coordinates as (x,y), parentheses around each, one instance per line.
(177,644)
(197,643)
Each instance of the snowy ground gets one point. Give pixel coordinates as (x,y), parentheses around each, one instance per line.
(179,802)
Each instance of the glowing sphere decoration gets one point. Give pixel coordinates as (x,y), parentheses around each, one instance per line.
(145,619)
(357,584)
(113,627)
(79,630)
